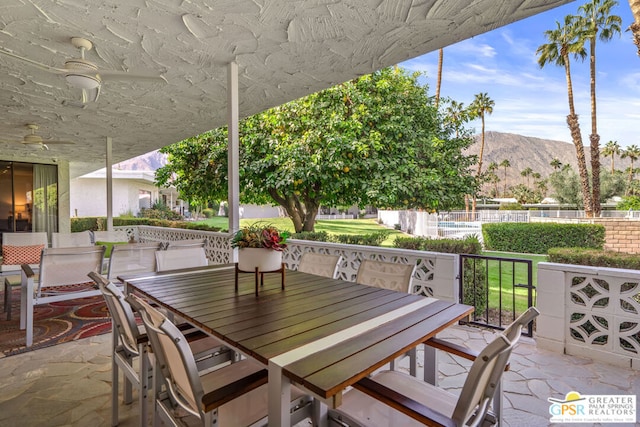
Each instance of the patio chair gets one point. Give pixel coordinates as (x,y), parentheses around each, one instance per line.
(184,257)
(319,264)
(130,341)
(68,240)
(388,275)
(234,395)
(18,249)
(392,398)
(187,243)
(132,258)
(60,270)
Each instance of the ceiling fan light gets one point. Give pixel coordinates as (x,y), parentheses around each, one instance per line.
(82,81)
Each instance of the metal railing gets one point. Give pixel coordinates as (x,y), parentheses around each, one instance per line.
(500,288)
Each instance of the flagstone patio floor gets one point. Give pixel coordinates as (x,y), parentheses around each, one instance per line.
(69,384)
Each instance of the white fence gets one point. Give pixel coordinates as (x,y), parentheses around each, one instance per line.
(598,308)
(435,274)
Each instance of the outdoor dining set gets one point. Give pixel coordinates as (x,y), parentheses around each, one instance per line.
(198,344)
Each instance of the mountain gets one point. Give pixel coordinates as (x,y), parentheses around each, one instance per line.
(535,153)
(146,162)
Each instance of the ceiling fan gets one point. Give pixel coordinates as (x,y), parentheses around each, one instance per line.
(84,74)
(34,139)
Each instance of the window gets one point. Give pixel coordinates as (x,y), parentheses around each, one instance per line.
(28,197)
(144,199)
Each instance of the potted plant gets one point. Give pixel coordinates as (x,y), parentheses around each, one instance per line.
(260,245)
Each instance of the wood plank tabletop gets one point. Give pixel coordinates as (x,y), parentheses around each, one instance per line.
(276,324)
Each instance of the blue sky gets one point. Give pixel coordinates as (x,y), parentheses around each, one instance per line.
(532,101)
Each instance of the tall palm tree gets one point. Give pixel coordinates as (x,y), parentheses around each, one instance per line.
(556,164)
(439,80)
(611,148)
(633,153)
(596,22)
(505,164)
(481,106)
(563,42)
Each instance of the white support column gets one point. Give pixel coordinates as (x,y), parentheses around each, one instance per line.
(109,161)
(233,149)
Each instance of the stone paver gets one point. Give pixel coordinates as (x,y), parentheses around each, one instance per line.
(69,384)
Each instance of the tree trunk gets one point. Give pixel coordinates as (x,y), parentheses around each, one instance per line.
(439,81)
(635,27)
(574,127)
(594,138)
(473,205)
(576,137)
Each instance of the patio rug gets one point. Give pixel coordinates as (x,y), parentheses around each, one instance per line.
(54,323)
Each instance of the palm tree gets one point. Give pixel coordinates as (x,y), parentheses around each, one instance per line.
(596,22)
(526,173)
(505,164)
(493,177)
(612,148)
(633,153)
(456,113)
(480,107)
(439,81)
(563,42)
(556,164)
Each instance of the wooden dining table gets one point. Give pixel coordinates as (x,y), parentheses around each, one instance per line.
(320,334)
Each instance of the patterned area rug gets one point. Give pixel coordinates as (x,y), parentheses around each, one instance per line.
(54,323)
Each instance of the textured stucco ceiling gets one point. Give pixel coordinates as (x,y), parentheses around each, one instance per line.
(285,49)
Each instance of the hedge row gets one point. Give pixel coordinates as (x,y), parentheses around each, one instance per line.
(373,239)
(470,245)
(99,223)
(538,238)
(594,258)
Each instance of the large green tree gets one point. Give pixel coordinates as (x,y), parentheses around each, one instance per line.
(377,140)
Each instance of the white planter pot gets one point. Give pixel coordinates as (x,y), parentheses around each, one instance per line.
(265,259)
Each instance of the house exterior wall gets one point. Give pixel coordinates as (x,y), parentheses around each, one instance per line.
(88,196)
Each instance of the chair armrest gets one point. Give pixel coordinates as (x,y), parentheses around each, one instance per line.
(410,407)
(28,271)
(456,349)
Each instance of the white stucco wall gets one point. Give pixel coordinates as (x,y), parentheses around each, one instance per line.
(88,196)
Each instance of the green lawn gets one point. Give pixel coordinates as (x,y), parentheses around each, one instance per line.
(333,226)
(504,288)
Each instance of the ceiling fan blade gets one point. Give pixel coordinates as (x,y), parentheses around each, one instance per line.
(58,142)
(33,63)
(123,75)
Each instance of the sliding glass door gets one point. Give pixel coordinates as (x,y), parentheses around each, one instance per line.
(28,197)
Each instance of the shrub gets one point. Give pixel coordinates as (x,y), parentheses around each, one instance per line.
(90,223)
(595,258)
(159,214)
(373,239)
(318,236)
(511,206)
(538,238)
(208,213)
(474,289)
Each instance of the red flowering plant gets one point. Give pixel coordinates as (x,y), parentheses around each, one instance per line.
(259,235)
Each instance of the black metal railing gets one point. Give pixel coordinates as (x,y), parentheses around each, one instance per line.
(499,288)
